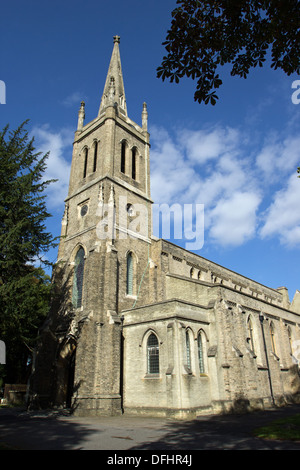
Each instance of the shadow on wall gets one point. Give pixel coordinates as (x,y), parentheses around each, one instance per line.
(51,382)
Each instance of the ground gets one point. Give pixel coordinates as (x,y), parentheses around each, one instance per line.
(20,430)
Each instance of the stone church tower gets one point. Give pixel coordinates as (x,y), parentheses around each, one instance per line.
(109,181)
(138,324)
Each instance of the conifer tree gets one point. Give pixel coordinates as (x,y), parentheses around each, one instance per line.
(24,288)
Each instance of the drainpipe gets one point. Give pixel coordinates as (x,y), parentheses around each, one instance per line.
(122,365)
(261,318)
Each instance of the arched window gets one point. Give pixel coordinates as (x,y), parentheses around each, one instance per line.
(188,349)
(78,278)
(152,355)
(129,277)
(200,354)
(123,157)
(133,163)
(95,156)
(85,162)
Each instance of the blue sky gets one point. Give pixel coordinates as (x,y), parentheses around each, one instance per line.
(238,158)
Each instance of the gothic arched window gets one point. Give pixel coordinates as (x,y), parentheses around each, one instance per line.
(133,162)
(200,354)
(152,355)
(129,277)
(95,156)
(85,162)
(188,349)
(123,157)
(78,278)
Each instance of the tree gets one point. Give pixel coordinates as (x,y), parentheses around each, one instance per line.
(24,288)
(207,34)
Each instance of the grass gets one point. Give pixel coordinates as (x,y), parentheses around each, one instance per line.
(281,429)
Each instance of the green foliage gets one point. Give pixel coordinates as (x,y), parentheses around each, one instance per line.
(207,34)
(24,288)
(288,429)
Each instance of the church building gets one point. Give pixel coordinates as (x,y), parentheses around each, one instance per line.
(138,325)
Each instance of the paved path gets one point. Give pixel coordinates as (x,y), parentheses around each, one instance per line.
(61,431)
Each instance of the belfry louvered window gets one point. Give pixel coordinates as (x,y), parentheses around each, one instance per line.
(95,156)
(152,355)
(129,289)
(133,168)
(78,278)
(123,157)
(85,162)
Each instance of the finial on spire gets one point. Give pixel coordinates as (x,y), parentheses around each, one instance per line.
(145,117)
(116,39)
(81,116)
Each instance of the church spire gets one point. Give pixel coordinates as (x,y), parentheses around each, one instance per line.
(114,92)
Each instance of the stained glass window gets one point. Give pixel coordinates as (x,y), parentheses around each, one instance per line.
(200,354)
(188,349)
(153,354)
(129,274)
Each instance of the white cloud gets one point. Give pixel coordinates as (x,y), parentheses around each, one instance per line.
(171,175)
(283,216)
(232,176)
(182,172)
(202,145)
(59,144)
(74,98)
(233,220)
(279,156)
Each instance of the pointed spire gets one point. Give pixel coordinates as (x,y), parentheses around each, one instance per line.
(114,92)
